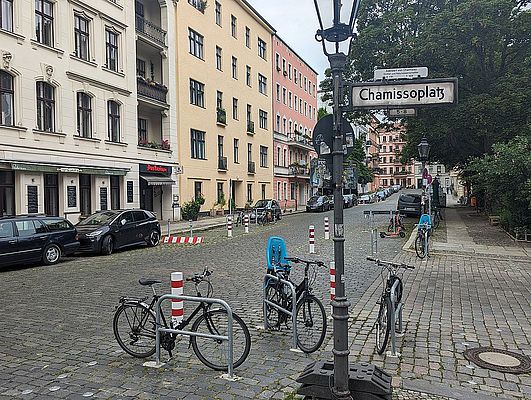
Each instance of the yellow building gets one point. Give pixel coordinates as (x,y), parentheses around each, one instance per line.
(224,102)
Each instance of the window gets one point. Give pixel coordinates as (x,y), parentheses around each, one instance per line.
(248,37)
(262,84)
(140,68)
(220,194)
(6,99)
(249,152)
(296,103)
(220,146)
(234,67)
(115,192)
(236,151)
(278,123)
(44,22)
(292,190)
(284,95)
(277,61)
(198,144)
(263,191)
(277,161)
(285,158)
(278,92)
(289,71)
(84,115)
(233,26)
(285,191)
(198,189)
(295,75)
(111,50)
(263,156)
(113,115)
(249,192)
(249,113)
(81,35)
(219,99)
(248,75)
(261,48)
(219,65)
(195,43)
(218,13)
(305,84)
(142,130)
(25,228)
(234,108)
(279,193)
(199,4)
(6,15)
(197,93)
(290,102)
(263,119)
(284,66)
(45,107)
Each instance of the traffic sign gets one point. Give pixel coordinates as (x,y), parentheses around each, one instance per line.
(402,112)
(400,73)
(404,94)
(323,136)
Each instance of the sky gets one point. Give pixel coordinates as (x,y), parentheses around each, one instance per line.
(296,23)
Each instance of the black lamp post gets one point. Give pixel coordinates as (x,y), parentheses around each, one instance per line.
(336,31)
(424,152)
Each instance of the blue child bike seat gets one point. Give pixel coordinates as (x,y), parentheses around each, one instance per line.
(425,219)
(276,253)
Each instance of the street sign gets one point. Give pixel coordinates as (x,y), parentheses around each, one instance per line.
(404,94)
(403,112)
(323,136)
(400,73)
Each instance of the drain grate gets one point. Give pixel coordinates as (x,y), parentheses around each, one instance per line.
(499,360)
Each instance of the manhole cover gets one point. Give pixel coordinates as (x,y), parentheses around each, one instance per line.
(499,360)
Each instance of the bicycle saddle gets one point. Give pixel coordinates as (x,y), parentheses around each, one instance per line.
(148,282)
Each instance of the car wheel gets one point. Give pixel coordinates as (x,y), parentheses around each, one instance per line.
(51,254)
(107,245)
(154,238)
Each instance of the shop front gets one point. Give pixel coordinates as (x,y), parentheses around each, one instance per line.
(155,184)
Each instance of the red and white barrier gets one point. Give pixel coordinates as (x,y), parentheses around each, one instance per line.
(246,223)
(177,310)
(327,228)
(183,239)
(229,226)
(332,280)
(311,239)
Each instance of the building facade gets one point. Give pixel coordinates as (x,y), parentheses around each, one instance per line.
(295,115)
(372,154)
(224,100)
(83,125)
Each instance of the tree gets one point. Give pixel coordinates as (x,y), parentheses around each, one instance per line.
(322,113)
(357,160)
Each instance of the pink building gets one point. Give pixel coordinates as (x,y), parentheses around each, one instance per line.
(294,116)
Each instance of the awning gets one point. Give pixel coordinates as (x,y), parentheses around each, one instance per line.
(72,169)
(153,180)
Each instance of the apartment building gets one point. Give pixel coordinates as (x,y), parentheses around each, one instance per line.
(85,116)
(225,102)
(372,153)
(295,115)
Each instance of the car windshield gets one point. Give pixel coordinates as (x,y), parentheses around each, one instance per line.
(261,204)
(410,198)
(99,218)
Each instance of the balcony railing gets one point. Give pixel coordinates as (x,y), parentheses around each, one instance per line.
(250,127)
(401,173)
(221,116)
(251,167)
(151,89)
(155,145)
(300,171)
(150,30)
(222,163)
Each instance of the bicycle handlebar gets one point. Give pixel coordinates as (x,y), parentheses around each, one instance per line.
(298,260)
(389,263)
(199,277)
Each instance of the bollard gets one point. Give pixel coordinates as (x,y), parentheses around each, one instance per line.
(229,226)
(177,310)
(332,283)
(191,228)
(311,237)
(246,223)
(327,228)
(168,227)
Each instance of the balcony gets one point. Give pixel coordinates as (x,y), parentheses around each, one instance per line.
(401,173)
(222,163)
(301,141)
(250,127)
(251,167)
(299,171)
(151,89)
(221,116)
(151,31)
(154,145)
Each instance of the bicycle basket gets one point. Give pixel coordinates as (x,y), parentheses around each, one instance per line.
(276,254)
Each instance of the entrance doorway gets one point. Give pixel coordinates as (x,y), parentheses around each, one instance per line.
(51,195)
(151,198)
(7,193)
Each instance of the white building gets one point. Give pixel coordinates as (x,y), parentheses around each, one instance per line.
(85,116)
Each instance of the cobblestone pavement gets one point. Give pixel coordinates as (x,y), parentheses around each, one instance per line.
(56,329)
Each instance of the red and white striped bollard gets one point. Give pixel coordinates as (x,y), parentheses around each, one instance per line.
(311,239)
(246,223)
(332,283)
(229,226)
(327,228)
(177,310)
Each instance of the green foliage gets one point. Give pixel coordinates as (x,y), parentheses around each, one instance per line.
(190,209)
(321,113)
(357,160)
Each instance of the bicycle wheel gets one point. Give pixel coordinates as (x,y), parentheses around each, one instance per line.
(383,326)
(311,324)
(436,221)
(399,288)
(134,329)
(420,246)
(213,352)
(274,317)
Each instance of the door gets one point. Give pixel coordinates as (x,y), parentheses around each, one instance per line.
(146,195)
(8,243)
(51,195)
(85,191)
(7,193)
(142,224)
(30,244)
(157,201)
(126,229)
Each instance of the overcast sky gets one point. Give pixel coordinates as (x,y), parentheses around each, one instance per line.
(296,23)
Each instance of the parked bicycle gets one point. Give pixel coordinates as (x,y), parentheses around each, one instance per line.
(437,217)
(423,234)
(384,321)
(311,315)
(266,217)
(134,327)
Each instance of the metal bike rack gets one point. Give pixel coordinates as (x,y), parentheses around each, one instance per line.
(292,313)
(229,337)
(397,310)
(369,215)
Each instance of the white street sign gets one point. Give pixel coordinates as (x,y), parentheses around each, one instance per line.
(400,73)
(402,112)
(403,94)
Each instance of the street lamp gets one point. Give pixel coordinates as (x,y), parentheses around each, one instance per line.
(336,31)
(424,152)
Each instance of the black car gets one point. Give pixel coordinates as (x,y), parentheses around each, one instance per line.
(105,231)
(409,204)
(319,203)
(26,239)
(267,204)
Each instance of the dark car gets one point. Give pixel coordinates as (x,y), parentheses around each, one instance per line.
(106,231)
(266,204)
(25,239)
(319,203)
(409,204)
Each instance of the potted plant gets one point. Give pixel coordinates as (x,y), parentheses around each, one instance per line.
(191,208)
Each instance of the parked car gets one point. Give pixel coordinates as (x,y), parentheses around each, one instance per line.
(105,231)
(350,200)
(319,203)
(25,239)
(381,195)
(409,204)
(267,204)
(364,199)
